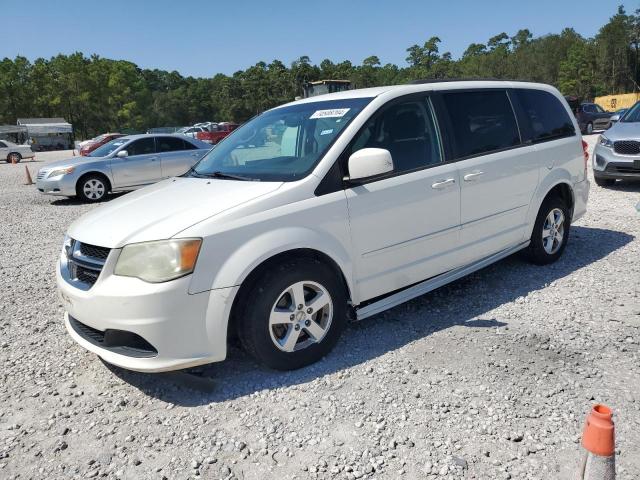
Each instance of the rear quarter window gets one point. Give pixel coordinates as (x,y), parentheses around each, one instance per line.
(546,116)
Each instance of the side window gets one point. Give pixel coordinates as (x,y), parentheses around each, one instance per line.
(547,117)
(3,145)
(482,121)
(186,145)
(599,109)
(407,130)
(588,108)
(143,146)
(169,144)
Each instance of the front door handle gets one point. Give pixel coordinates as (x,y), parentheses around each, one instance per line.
(443,183)
(470,177)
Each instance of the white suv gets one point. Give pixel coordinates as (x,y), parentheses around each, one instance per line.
(331,207)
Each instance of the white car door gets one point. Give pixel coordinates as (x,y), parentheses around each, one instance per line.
(140,167)
(404,226)
(498,173)
(177,155)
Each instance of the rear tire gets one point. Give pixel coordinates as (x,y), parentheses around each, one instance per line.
(92,188)
(550,232)
(604,182)
(293,314)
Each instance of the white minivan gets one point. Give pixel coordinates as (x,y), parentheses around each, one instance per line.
(333,207)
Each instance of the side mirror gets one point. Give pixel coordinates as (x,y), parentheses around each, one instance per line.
(369,162)
(122,154)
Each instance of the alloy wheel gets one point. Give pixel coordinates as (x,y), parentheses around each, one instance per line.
(553,231)
(301,316)
(94,189)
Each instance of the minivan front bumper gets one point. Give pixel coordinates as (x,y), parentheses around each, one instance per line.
(144,326)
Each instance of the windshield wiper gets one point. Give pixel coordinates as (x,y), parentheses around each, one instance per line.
(218,174)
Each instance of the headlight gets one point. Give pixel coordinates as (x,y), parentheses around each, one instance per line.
(605,142)
(159,261)
(60,171)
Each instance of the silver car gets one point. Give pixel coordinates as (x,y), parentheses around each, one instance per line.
(617,153)
(125,163)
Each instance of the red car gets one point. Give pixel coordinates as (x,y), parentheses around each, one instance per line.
(216,132)
(100,140)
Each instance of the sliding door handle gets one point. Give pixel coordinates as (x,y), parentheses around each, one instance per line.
(470,177)
(443,183)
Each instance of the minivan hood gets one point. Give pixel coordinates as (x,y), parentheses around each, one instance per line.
(623,131)
(164,209)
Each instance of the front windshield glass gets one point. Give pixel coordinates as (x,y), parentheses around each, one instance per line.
(108,148)
(284,144)
(632,115)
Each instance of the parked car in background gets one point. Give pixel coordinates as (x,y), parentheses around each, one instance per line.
(617,116)
(100,140)
(617,153)
(14,153)
(216,132)
(126,163)
(191,131)
(364,200)
(592,116)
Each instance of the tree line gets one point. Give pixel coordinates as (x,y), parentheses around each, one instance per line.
(98,94)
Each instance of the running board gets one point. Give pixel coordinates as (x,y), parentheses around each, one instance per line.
(433,283)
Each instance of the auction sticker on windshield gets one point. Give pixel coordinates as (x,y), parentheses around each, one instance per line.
(334,112)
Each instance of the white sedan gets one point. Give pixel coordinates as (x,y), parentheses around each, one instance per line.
(13,153)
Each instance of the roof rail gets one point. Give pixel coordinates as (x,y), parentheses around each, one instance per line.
(442,80)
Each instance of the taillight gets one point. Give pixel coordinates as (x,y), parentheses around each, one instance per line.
(585,151)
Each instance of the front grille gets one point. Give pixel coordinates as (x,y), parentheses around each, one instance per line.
(627,147)
(93,251)
(85,262)
(41,174)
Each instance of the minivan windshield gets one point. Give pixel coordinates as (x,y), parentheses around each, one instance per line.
(108,148)
(632,115)
(283,144)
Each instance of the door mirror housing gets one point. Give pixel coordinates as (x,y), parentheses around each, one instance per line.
(122,154)
(369,162)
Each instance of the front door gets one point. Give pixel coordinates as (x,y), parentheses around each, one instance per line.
(404,227)
(140,167)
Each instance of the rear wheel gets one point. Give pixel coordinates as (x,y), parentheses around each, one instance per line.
(293,314)
(92,188)
(550,232)
(604,182)
(14,157)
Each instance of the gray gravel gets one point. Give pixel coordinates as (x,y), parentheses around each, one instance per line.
(488,378)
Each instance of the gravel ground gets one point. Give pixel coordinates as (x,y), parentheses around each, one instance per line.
(488,378)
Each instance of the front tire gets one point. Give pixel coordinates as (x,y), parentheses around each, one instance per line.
(293,314)
(550,232)
(92,188)
(589,128)
(14,157)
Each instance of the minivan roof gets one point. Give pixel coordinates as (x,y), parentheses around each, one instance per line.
(422,86)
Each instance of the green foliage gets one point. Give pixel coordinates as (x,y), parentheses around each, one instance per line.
(99,95)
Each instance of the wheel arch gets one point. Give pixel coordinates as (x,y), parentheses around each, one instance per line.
(95,172)
(258,270)
(562,186)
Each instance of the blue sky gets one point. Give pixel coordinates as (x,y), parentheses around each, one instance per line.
(204,37)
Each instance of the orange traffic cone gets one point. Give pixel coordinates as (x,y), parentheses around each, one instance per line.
(598,440)
(29,179)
